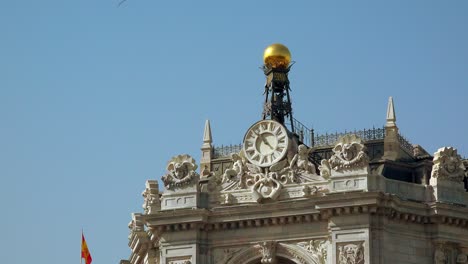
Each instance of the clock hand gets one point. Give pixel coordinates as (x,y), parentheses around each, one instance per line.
(266,142)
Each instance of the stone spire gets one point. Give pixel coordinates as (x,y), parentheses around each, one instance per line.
(391,117)
(207,150)
(391,142)
(207,140)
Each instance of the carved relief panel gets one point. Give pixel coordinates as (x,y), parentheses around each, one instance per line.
(350,253)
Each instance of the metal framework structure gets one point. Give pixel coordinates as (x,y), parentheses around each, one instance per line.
(277,103)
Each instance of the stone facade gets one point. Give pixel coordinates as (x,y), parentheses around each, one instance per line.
(346,210)
(275,200)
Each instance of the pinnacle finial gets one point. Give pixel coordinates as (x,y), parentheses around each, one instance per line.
(207,140)
(277,56)
(391,117)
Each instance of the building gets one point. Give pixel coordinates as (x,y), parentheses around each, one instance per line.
(288,196)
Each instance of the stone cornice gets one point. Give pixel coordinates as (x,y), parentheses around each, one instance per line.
(139,242)
(306,211)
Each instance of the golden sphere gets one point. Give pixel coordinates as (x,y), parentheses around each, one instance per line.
(277,56)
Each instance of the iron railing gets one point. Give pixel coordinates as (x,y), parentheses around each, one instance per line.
(307,137)
(405,144)
(365,135)
(225,151)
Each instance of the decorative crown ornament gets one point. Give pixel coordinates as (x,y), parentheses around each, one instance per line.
(349,153)
(448,165)
(181,172)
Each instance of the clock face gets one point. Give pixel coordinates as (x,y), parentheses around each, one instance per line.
(265,143)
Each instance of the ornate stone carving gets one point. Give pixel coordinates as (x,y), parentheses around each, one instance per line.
(181,172)
(349,154)
(448,165)
(135,225)
(267,184)
(302,169)
(301,163)
(317,248)
(226,198)
(325,169)
(350,253)
(440,254)
(268,251)
(151,197)
(235,174)
(462,258)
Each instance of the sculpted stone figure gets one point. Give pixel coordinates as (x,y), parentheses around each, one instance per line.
(448,165)
(325,169)
(235,173)
(302,168)
(301,161)
(349,154)
(181,171)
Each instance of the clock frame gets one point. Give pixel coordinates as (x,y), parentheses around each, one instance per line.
(265,143)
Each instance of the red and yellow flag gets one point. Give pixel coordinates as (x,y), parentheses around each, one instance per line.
(85,251)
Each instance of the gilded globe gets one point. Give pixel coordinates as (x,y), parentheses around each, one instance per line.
(277,56)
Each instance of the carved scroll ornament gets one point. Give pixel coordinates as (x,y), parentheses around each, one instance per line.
(266,183)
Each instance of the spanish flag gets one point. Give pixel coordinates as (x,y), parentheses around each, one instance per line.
(84,251)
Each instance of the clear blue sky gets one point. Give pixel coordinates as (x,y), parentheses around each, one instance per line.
(95,98)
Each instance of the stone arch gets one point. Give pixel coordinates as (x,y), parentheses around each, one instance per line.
(291,252)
